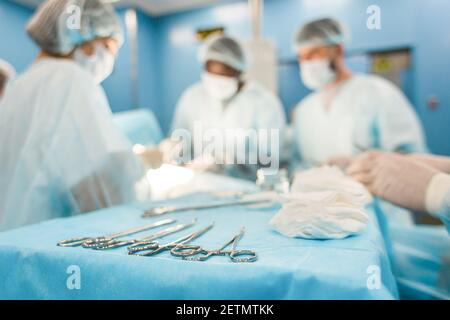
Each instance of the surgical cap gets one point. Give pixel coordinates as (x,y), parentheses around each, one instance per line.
(320,32)
(59,26)
(225,50)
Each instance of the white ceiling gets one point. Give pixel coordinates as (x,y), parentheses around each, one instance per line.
(153,7)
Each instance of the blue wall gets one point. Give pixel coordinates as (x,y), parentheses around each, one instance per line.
(432,62)
(119,86)
(15,46)
(168,50)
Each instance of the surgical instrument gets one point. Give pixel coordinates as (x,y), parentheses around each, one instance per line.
(197,253)
(114,243)
(360,148)
(90,241)
(153,247)
(172,209)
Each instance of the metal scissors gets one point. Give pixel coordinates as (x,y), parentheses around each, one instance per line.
(153,247)
(114,243)
(197,253)
(94,241)
(172,209)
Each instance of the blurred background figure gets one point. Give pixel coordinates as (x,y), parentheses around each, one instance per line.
(226,101)
(7,73)
(347,113)
(61,153)
(158,61)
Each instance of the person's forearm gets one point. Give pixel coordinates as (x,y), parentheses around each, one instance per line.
(438,162)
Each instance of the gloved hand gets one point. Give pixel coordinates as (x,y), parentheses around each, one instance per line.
(438,162)
(172,151)
(399,179)
(151,157)
(204,163)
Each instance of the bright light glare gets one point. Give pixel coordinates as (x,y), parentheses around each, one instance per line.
(182,36)
(166,178)
(311,4)
(232,12)
(131,20)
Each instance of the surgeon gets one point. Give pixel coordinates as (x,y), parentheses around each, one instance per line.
(225,101)
(61,153)
(7,73)
(420,183)
(346,113)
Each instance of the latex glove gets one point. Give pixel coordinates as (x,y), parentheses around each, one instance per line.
(151,157)
(204,163)
(319,215)
(396,178)
(438,162)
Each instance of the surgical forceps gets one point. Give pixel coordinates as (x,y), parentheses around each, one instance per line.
(153,247)
(172,209)
(114,243)
(95,241)
(197,253)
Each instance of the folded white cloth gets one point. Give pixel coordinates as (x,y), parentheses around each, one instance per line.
(319,215)
(323,204)
(329,178)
